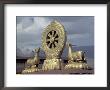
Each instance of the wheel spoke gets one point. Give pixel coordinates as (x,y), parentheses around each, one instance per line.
(55,44)
(55,35)
(52,39)
(52,33)
(49,35)
(49,45)
(48,40)
(52,45)
(56,39)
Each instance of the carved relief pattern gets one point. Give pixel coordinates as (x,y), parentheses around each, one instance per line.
(53,52)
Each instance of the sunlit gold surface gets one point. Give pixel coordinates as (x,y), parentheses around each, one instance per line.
(76,65)
(51,64)
(31,63)
(31,69)
(53,42)
(76,59)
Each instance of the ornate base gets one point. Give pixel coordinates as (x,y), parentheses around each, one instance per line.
(51,64)
(30,70)
(76,65)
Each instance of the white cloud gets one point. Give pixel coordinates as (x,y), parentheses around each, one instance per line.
(80,30)
(32,24)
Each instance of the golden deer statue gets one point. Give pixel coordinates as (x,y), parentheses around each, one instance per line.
(30,65)
(76,59)
(76,56)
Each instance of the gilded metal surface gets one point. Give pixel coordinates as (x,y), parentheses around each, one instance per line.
(32,62)
(30,70)
(76,65)
(51,64)
(76,59)
(53,42)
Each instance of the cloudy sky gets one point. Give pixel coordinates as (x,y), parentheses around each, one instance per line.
(80,30)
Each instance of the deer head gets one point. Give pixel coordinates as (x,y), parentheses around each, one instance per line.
(37,50)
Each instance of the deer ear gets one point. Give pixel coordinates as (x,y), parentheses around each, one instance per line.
(32,51)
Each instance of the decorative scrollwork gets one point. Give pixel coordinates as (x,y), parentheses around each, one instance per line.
(53,40)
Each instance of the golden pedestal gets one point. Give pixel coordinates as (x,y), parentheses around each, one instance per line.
(76,65)
(30,70)
(51,64)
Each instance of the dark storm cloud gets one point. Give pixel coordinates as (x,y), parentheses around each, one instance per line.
(65,18)
(76,24)
(28,40)
(79,29)
(80,26)
(81,40)
(18,19)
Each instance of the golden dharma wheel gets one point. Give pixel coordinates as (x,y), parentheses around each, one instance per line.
(53,40)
